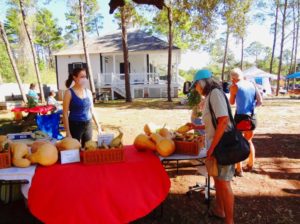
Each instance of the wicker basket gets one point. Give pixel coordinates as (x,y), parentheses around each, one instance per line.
(189,148)
(100,156)
(5,160)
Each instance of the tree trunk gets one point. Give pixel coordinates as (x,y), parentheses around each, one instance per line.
(274,37)
(12,61)
(36,67)
(293,44)
(86,54)
(281,46)
(125,55)
(242,53)
(297,36)
(170,19)
(225,53)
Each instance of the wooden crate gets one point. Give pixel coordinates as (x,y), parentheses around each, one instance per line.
(5,160)
(189,148)
(101,156)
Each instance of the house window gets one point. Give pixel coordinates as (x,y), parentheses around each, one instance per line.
(74,65)
(122,68)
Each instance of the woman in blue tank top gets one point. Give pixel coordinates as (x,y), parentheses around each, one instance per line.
(78,108)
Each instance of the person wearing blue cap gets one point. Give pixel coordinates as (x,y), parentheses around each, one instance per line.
(213,93)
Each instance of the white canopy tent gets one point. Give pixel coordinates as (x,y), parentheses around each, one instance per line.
(260,77)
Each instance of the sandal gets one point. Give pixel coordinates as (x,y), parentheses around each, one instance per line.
(238,173)
(211,213)
(247,168)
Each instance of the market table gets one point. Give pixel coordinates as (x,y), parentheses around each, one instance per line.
(106,193)
(36,110)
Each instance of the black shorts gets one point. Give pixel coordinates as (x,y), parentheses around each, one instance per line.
(245,122)
(81,130)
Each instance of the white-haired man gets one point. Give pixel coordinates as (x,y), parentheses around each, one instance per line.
(245,95)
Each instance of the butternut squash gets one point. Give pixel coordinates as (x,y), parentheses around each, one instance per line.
(45,155)
(68,143)
(165,147)
(143,142)
(19,155)
(36,144)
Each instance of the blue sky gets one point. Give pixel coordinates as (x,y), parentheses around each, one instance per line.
(256,32)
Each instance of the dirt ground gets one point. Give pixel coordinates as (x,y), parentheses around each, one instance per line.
(268,194)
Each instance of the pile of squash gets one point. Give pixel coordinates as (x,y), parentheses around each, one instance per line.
(159,139)
(42,152)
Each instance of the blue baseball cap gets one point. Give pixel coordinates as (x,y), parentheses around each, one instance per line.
(201,74)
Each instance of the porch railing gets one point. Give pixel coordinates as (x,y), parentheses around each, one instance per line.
(112,79)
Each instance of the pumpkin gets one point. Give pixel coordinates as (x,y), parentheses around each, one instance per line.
(68,143)
(3,138)
(45,155)
(143,142)
(165,147)
(36,144)
(19,154)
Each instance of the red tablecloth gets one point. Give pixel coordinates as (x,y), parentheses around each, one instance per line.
(37,109)
(107,193)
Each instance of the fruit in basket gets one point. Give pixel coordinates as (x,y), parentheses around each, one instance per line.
(68,143)
(45,155)
(143,142)
(90,145)
(183,129)
(36,144)
(117,141)
(19,155)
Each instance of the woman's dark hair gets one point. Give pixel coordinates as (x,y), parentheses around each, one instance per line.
(52,93)
(32,86)
(210,84)
(75,73)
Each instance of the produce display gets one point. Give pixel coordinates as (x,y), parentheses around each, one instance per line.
(114,144)
(166,141)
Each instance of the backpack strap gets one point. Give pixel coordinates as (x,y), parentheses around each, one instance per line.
(213,116)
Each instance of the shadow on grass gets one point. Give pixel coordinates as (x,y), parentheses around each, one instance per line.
(179,208)
(143,103)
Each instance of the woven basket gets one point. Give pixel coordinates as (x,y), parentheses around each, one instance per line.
(5,160)
(100,156)
(189,148)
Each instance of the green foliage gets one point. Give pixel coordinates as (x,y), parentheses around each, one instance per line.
(192,22)
(90,8)
(187,75)
(47,32)
(194,98)
(6,71)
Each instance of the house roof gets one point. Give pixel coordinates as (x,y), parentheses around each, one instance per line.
(112,43)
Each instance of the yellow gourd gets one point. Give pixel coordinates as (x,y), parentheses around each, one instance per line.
(90,145)
(68,143)
(19,153)
(142,142)
(45,155)
(165,147)
(36,144)
(164,132)
(150,128)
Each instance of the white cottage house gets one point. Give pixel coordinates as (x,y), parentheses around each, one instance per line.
(148,58)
